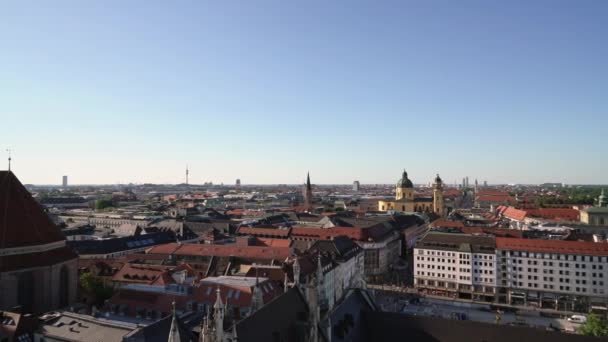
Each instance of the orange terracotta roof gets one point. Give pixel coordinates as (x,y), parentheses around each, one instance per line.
(553,246)
(496,198)
(514,214)
(274,242)
(263,231)
(555,214)
(139,273)
(255,252)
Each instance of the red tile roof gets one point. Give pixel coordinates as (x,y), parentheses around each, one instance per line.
(204,292)
(254,252)
(492,192)
(553,246)
(23,221)
(274,242)
(263,231)
(555,214)
(139,273)
(496,198)
(329,233)
(514,214)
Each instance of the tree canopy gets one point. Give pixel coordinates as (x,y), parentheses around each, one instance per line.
(95,287)
(594,326)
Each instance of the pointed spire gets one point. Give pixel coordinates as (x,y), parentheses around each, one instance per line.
(234,336)
(308,180)
(257,300)
(218,299)
(174,330)
(218,316)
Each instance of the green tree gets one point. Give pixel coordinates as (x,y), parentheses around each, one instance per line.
(594,326)
(95,287)
(103,203)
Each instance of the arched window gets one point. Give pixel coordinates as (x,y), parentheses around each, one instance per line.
(402,208)
(64,286)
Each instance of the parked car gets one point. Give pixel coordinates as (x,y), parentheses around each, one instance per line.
(577,319)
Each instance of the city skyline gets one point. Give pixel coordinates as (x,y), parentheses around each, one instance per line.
(239,182)
(131,93)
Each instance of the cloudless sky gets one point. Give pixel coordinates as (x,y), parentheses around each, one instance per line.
(132,91)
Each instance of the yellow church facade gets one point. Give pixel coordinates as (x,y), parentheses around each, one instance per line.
(406,200)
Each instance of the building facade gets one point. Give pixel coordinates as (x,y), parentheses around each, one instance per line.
(555,274)
(456,265)
(564,275)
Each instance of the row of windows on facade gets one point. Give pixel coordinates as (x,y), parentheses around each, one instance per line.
(562,280)
(453,276)
(561,264)
(451,254)
(561,287)
(453,269)
(553,256)
(461,262)
(561,272)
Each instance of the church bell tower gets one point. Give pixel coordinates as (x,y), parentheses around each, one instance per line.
(438,206)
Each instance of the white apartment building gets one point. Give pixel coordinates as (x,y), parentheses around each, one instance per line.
(563,275)
(556,274)
(456,265)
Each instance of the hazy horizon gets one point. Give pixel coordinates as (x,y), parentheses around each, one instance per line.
(132,92)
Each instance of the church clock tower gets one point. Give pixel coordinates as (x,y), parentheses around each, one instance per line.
(438,207)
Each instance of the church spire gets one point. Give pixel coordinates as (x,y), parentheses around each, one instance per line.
(296,272)
(308,181)
(308,193)
(174,330)
(257,299)
(234,336)
(218,316)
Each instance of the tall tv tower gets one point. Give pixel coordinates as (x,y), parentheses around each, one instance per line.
(187,172)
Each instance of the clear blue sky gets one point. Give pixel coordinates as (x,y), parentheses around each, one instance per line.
(132,91)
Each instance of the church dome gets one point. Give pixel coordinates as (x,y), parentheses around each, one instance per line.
(405,182)
(438,179)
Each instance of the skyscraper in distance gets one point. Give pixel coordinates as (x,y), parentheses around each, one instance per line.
(64,183)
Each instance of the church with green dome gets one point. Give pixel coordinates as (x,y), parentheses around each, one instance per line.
(407,201)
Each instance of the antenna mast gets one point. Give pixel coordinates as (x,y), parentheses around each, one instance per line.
(9,158)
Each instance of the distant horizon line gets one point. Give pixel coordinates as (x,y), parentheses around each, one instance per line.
(300,184)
